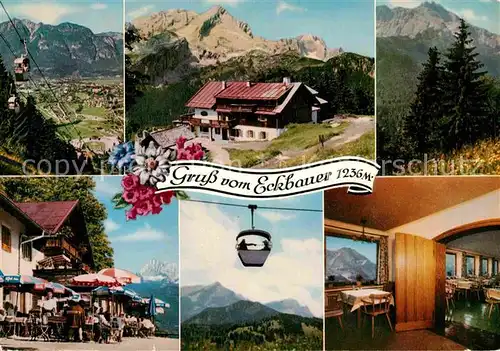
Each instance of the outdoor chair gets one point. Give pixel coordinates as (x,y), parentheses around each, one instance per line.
(334,308)
(376,305)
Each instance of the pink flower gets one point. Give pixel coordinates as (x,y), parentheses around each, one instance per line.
(180,142)
(131,196)
(130,182)
(144,207)
(131,214)
(157,201)
(145,192)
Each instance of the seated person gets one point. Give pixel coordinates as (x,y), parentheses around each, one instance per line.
(148,326)
(49,305)
(3,314)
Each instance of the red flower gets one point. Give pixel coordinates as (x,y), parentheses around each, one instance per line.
(156,210)
(130,182)
(131,214)
(180,142)
(131,196)
(166,197)
(145,192)
(144,207)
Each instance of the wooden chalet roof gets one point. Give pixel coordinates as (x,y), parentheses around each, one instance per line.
(48,215)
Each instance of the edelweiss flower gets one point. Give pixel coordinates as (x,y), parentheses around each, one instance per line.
(153,164)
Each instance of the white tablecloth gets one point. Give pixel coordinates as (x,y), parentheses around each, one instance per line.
(355,297)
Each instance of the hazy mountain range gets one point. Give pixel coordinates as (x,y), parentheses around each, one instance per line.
(201,303)
(65,49)
(346,263)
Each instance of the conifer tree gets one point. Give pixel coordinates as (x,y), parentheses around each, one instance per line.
(465,94)
(421,125)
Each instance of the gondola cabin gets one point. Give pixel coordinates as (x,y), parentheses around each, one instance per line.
(253,246)
(14,104)
(21,68)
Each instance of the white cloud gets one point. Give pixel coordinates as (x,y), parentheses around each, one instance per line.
(108,185)
(144,234)
(208,255)
(276,216)
(470,15)
(405,3)
(225,2)
(110,225)
(46,12)
(98,6)
(141,11)
(284,6)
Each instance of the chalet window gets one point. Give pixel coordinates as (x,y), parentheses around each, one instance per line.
(342,255)
(249,133)
(27,252)
(451,264)
(217,131)
(495,267)
(6,239)
(204,129)
(262,135)
(204,113)
(484,266)
(469,261)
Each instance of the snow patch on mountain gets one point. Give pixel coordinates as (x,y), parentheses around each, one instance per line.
(156,270)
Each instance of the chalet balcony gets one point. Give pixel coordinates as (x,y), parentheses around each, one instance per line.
(57,246)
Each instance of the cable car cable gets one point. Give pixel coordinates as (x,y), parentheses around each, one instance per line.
(41,73)
(259,207)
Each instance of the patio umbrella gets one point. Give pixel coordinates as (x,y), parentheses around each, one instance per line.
(158,303)
(152,308)
(1,277)
(94,280)
(123,276)
(59,289)
(24,282)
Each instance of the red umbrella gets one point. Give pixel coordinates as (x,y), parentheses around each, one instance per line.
(123,276)
(94,280)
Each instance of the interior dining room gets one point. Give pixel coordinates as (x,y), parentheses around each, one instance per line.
(413,265)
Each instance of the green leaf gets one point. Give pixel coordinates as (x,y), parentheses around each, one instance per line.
(181,195)
(117,197)
(121,205)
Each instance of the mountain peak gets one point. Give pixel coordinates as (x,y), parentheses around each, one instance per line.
(217,10)
(158,270)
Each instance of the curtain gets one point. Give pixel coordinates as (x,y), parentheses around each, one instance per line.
(383,260)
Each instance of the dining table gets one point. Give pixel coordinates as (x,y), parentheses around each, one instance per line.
(354,299)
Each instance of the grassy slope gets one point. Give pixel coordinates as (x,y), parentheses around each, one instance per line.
(296,137)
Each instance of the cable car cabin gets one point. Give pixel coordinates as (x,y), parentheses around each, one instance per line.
(253,246)
(21,68)
(14,104)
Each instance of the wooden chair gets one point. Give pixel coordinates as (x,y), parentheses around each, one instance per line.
(450,295)
(376,305)
(492,301)
(462,288)
(477,287)
(334,308)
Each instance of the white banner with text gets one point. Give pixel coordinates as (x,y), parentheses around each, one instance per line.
(355,173)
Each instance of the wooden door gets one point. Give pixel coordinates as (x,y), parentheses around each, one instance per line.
(420,282)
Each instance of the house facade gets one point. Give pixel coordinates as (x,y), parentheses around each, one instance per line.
(246,111)
(47,240)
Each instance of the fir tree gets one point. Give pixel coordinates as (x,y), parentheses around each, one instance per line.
(465,94)
(421,125)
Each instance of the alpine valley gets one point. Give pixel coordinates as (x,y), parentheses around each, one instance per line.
(214,317)
(173,53)
(161,279)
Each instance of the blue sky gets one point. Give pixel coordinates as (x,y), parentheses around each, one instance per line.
(294,268)
(481,13)
(341,23)
(137,242)
(98,15)
(369,250)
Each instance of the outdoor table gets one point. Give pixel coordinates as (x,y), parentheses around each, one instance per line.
(355,298)
(57,324)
